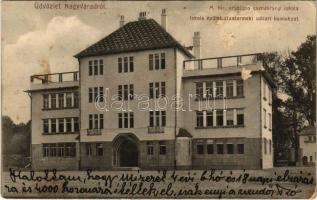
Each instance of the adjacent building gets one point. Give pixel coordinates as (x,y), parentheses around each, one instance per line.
(142,99)
(307,145)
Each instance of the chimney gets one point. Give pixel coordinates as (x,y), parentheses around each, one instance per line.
(142,15)
(121,21)
(164,19)
(196,45)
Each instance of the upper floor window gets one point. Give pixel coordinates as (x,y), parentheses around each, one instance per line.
(126,120)
(157,119)
(96,121)
(264,118)
(61,125)
(229,88)
(199,90)
(95,67)
(126,92)
(125,64)
(219,89)
(157,90)
(240,88)
(206,118)
(157,61)
(95,94)
(60,100)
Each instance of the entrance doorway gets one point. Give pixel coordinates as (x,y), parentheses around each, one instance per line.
(125,150)
(128,151)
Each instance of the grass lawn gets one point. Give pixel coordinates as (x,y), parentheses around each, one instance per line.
(300,182)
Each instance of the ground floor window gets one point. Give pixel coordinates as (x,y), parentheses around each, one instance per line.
(99,149)
(200,147)
(219,148)
(150,148)
(59,150)
(214,146)
(163,148)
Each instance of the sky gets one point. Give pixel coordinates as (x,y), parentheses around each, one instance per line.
(36,41)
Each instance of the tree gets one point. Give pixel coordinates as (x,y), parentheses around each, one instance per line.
(295,77)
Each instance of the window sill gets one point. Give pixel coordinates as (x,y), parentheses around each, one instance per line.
(212,127)
(218,98)
(65,108)
(61,133)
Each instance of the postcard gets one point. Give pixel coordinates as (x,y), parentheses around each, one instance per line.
(158,99)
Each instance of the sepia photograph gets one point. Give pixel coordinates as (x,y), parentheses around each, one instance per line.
(158,99)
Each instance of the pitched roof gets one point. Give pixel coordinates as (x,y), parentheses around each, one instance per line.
(134,36)
(309,130)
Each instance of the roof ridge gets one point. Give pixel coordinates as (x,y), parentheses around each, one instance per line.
(136,35)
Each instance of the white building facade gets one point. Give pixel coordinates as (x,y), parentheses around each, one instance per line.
(141,99)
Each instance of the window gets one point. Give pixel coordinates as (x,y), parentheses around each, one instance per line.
(199,119)
(90,67)
(120,65)
(264,118)
(264,91)
(209,89)
(230,149)
(151,119)
(76,99)
(99,149)
(88,149)
(45,101)
(157,119)
(95,93)
(150,148)
(219,148)
(68,125)
(157,61)
(90,122)
(95,121)
(240,117)
(125,92)
(229,114)
(101,121)
(219,117)
(240,148)
(61,125)
(125,64)
(209,116)
(240,88)
(162,60)
(210,147)
(61,100)
(59,150)
(264,146)
(151,61)
(68,99)
(53,100)
(45,126)
(219,89)
(229,88)
(200,147)
(163,148)
(270,146)
(95,67)
(126,120)
(76,124)
(100,98)
(131,65)
(100,67)
(53,126)
(199,90)
(90,95)
(157,88)
(270,121)
(270,96)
